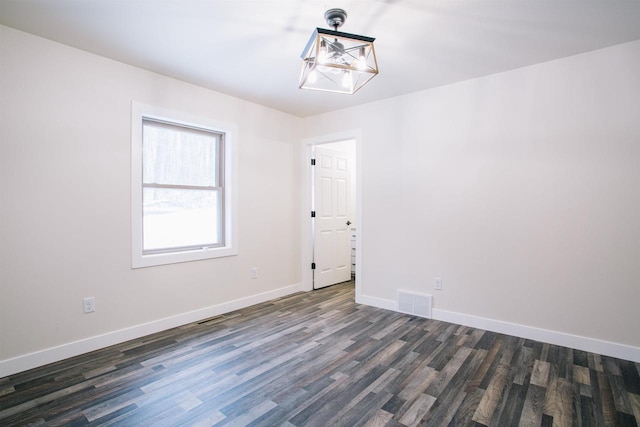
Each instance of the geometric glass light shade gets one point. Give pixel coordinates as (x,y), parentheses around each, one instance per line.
(338,62)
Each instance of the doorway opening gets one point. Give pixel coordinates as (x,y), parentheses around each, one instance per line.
(333,212)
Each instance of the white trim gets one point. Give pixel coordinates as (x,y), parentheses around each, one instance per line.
(606,348)
(305,207)
(75,348)
(387,304)
(138,111)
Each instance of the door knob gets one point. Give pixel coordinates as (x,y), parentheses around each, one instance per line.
(348,222)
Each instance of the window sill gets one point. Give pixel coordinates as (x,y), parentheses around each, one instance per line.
(141,261)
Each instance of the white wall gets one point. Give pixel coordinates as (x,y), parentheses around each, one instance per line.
(65,194)
(519,189)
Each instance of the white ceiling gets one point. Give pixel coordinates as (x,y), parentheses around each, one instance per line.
(251,49)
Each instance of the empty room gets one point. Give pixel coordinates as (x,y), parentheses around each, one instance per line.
(310,213)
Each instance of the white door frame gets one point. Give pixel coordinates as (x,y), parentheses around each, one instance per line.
(306,184)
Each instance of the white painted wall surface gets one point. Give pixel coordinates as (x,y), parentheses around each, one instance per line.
(519,189)
(65,195)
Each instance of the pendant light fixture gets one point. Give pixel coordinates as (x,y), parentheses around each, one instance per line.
(334,61)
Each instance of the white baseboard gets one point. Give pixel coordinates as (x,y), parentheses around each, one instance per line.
(387,304)
(54,354)
(606,348)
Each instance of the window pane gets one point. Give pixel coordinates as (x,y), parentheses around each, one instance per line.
(174,218)
(179,156)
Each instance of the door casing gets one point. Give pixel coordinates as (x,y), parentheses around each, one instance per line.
(305,208)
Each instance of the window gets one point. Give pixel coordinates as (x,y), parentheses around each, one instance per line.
(180,188)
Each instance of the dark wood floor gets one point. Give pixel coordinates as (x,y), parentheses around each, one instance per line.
(319,359)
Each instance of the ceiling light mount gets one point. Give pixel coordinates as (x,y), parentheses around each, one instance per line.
(335,18)
(334,61)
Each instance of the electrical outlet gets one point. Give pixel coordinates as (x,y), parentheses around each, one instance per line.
(254,273)
(437,283)
(88,305)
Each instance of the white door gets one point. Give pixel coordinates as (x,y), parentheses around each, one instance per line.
(332,245)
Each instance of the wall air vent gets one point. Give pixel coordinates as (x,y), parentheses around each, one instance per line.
(416,304)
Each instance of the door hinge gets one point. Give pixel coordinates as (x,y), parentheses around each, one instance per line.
(313,162)
(313,214)
(313,265)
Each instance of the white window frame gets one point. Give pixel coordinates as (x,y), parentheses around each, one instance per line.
(141,111)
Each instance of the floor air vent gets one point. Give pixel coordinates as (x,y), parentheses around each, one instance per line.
(416,304)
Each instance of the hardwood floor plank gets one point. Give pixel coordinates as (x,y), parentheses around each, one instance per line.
(417,382)
(563,416)
(596,398)
(417,410)
(317,400)
(525,363)
(511,409)
(373,392)
(245,417)
(343,394)
(489,401)
(464,414)
(630,376)
(580,358)
(634,400)
(540,374)
(626,420)
(587,413)
(481,375)
(451,397)
(442,414)
(114,404)
(533,405)
(620,397)
(379,419)
(285,409)
(607,402)
(365,410)
(581,375)
(445,375)
(551,395)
